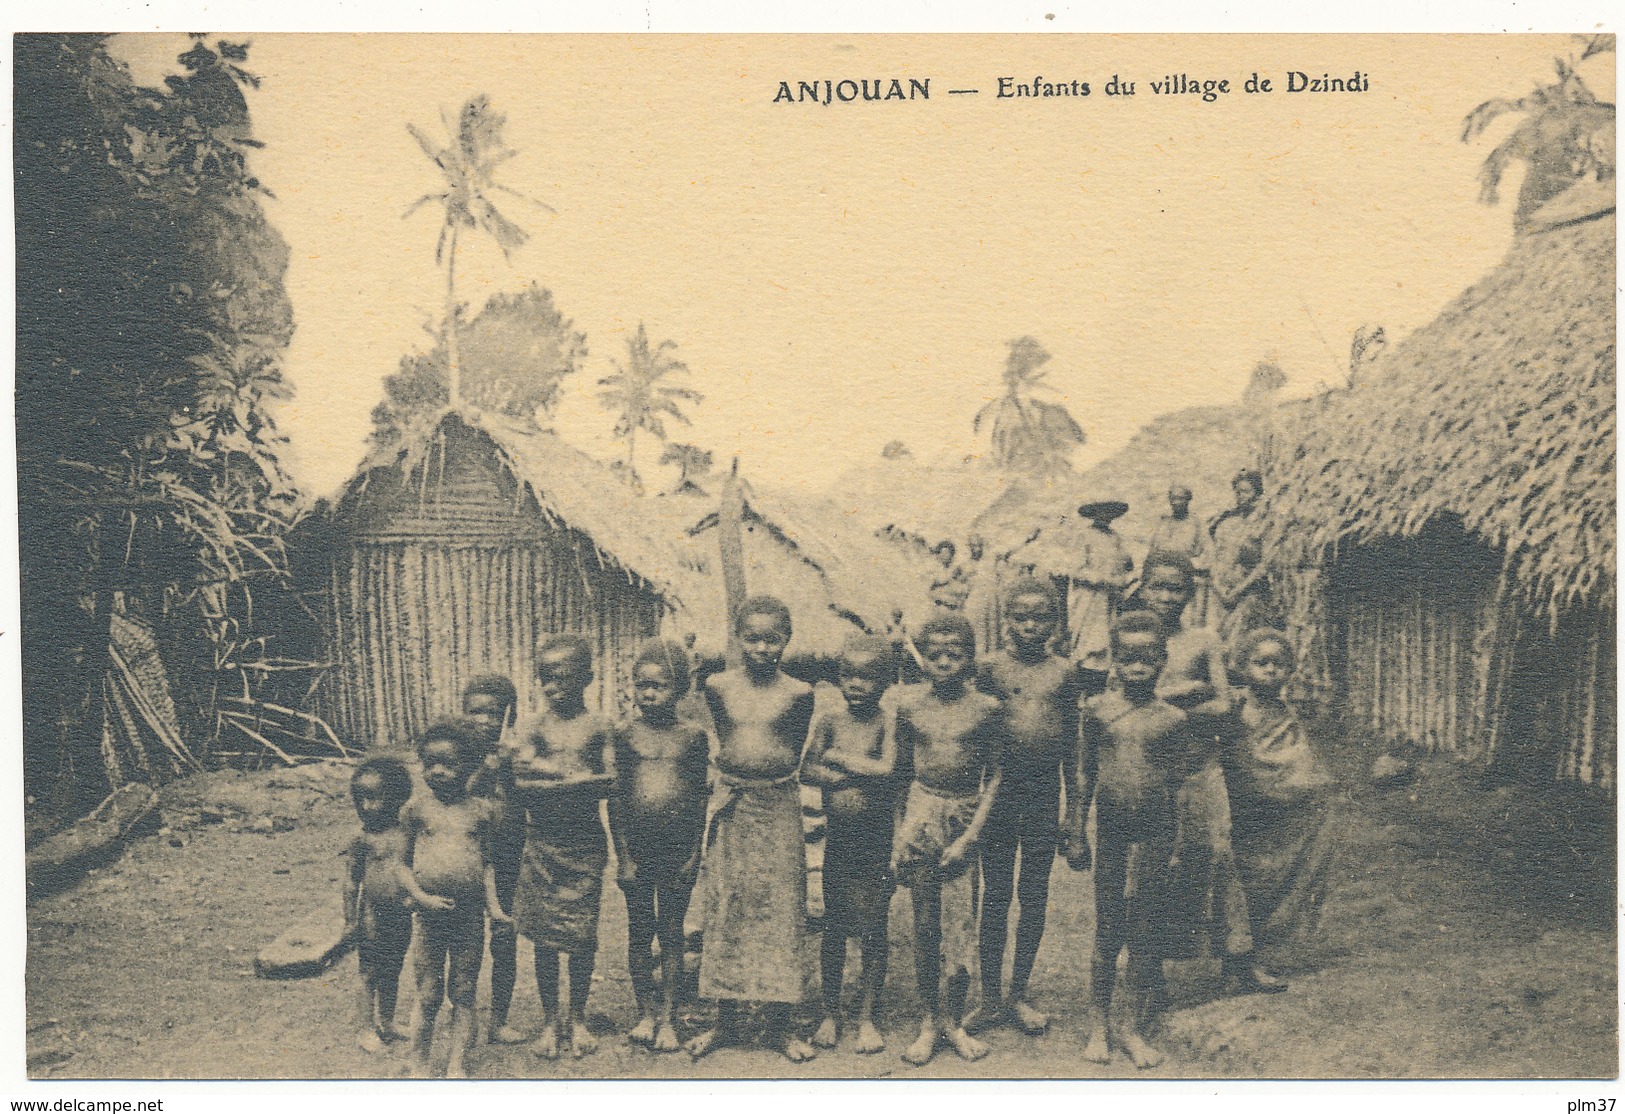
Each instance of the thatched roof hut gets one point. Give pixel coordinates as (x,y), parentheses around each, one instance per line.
(919,504)
(1462,506)
(837,578)
(454,550)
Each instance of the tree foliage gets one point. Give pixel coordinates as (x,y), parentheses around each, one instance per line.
(1566,134)
(515,354)
(151,322)
(1028,434)
(468,163)
(638,397)
(1263,384)
(693,465)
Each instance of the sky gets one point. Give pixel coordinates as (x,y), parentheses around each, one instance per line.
(841,276)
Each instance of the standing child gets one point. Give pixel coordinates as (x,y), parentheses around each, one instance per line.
(1281,799)
(753,901)
(1040,691)
(449,841)
(657,820)
(1126,738)
(379,894)
(1205,897)
(1178,533)
(489,702)
(853,759)
(563,766)
(950,734)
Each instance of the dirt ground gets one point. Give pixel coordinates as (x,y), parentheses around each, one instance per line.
(1470,934)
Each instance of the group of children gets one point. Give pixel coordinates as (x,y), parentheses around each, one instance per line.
(943,787)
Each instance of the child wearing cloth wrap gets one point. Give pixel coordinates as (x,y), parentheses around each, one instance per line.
(753,896)
(950,735)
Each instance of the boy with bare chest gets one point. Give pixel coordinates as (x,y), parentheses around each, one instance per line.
(490,702)
(449,843)
(657,821)
(563,766)
(1040,691)
(1127,738)
(755,891)
(853,759)
(1205,895)
(951,736)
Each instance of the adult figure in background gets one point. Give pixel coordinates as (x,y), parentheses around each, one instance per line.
(949,589)
(1094,590)
(1241,590)
(982,596)
(1179,533)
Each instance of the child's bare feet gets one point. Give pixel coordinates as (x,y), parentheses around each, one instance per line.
(829,1032)
(666,1038)
(984,1017)
(968,1047)
(1244,978)
(455,1068)
(582,1042)
(505,1034)
(869,1039)
(371,1041)
(547,1045)
(705,1043)
(1143,1055)
(1099,1049)
(925,1045)
(643,1032)
(796,1050)
(1028,1020)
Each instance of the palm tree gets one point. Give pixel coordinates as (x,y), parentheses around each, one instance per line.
(693,465)
(1029,434)
(638,398)
(469,163)
(1566,134)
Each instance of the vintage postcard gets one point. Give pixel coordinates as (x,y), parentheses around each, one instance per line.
(612,557)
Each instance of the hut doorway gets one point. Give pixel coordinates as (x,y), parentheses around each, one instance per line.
(1405,616)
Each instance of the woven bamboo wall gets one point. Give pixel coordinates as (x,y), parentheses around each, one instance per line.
(1429,646)
(413,622)
(1408,666)
(435,582)
(1575,711)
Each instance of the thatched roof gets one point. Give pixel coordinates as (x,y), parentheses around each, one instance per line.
(1498,414)
(836,577)
(569,488)
(930,503)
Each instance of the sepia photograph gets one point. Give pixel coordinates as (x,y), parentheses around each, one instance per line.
(816,557)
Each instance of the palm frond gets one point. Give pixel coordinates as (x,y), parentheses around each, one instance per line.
(505,232)
(1597,44)
(1490,111)
(1495,165)
(436,154)
(511,192)
(424,200)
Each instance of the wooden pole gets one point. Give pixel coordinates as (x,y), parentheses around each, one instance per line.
(731,543)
